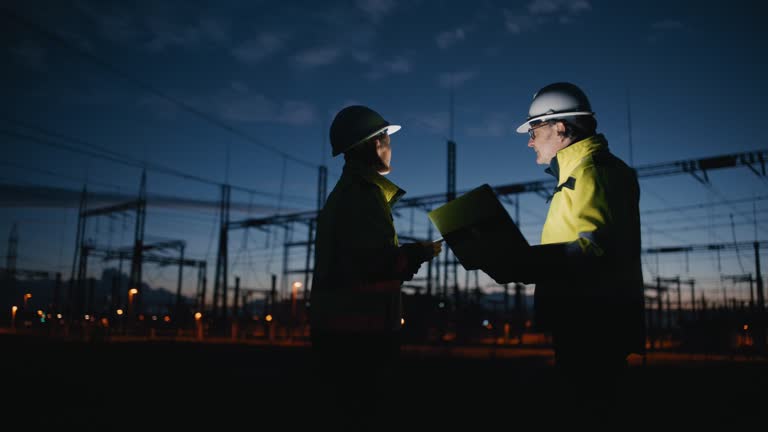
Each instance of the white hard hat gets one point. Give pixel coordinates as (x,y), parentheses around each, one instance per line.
(556,100)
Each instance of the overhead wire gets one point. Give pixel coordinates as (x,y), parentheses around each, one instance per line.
(97,151)
(51,35)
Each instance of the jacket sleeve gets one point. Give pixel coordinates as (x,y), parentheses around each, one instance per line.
(588,220)
(368,250)
(590,215)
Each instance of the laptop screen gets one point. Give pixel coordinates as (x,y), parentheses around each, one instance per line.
(476,225)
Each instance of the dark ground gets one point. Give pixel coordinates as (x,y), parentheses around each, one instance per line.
(176,386)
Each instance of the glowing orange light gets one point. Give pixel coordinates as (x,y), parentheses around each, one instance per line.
(133,291)
(268,317)
(198,316)
(167,318)
(402,321)
(746,327)
(14,309)
(119,311)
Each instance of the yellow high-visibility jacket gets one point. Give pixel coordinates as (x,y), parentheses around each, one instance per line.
(358,268)
(594,214)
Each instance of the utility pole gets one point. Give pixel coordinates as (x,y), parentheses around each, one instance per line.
(675,280)
(449,264)
(220,281)
(138,242)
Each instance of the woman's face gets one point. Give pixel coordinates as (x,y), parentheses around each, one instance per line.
(384,150)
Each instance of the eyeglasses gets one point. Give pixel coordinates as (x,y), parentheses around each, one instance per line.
(531,132)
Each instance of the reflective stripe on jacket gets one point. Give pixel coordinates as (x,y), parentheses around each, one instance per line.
(594,212)
(356,283)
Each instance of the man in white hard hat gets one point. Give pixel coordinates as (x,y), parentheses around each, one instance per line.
(355,302)
(587,269)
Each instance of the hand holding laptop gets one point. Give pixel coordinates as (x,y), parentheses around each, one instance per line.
(481,234)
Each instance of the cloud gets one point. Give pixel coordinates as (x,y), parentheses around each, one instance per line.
(253,51)
(362,56)
(448,38)
(547,7)
(577,6)
(433,122)
(376,9)
(455,79)
(239,87)
(31,54)
(242,106)
(161,108)
(660,29)
(538,7)
(214,29)
(542,11)
(516,24)
(667,25)
(165,34)
(157,33)
(119,28)
(399,65)
(496,125)
(295,113)
(318,56)
(237,103)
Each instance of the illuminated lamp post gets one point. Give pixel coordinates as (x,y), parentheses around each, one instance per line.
(14,309)
(199,325)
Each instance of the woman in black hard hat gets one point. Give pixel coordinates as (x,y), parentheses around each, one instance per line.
(355,304)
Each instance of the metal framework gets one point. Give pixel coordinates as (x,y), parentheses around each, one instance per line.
(697,168)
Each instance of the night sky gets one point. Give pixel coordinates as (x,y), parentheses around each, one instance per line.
(203,93)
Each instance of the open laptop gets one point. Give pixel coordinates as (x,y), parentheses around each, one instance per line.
(476,226)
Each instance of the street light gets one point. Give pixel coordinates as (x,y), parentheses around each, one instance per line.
(294,293)
(27,296)
(131,294)
(199,325)
(14,308)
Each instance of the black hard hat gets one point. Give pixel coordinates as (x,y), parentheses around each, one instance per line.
(355,124)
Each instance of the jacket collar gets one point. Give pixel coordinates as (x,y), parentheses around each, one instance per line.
(391,191)
(567,159)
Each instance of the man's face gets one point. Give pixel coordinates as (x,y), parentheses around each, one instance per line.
(384,151)
(545,140)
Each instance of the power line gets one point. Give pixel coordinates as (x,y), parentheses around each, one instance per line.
(55,174)
(112,156)
(686,220)
(705,205)
(9,14)
(702,227)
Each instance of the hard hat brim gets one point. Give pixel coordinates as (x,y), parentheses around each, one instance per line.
(525,127)
(390,130)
